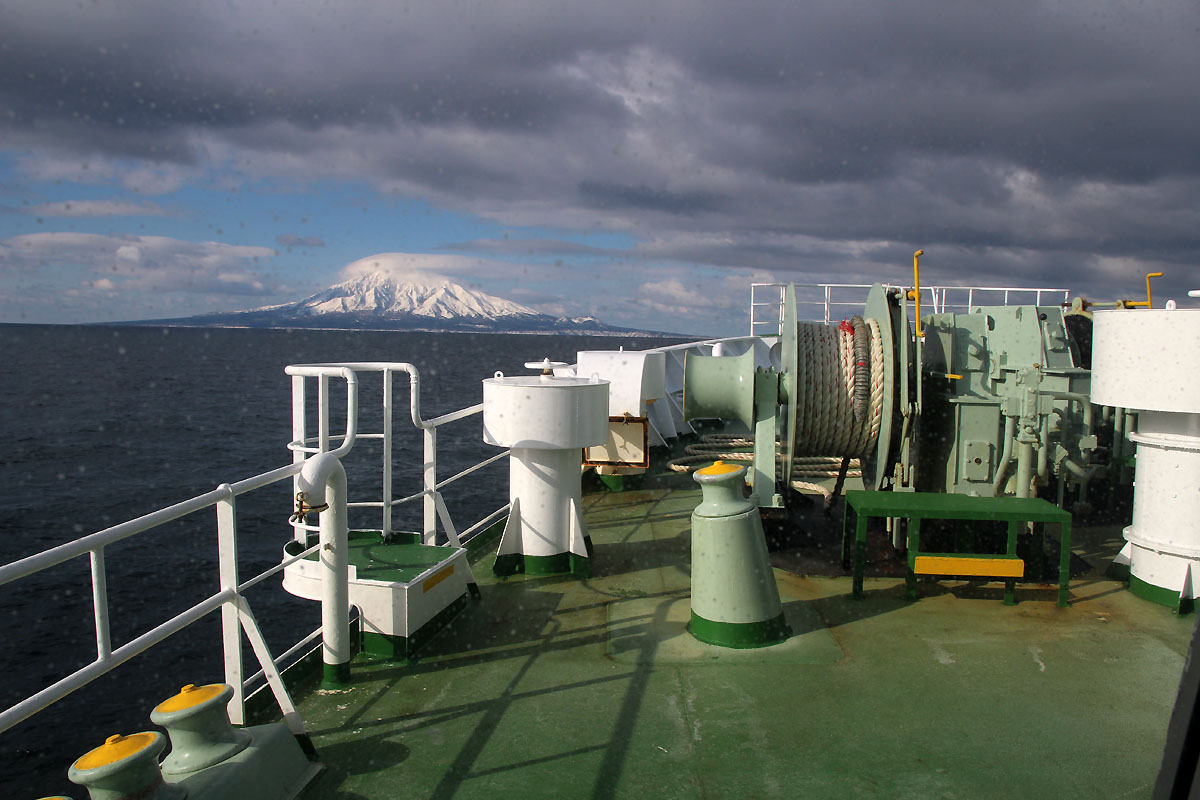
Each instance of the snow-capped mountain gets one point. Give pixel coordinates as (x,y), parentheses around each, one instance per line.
(382,296)
(378,301)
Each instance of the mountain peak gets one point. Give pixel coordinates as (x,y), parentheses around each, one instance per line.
(383,295)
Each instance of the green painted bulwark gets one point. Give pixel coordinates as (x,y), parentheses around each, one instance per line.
(740,635)
(400,648)
(1163,597)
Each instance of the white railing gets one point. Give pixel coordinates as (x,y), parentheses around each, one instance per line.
(433,504)
(236,614)
(767,300)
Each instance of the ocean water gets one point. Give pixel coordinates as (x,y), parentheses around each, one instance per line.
(99,425)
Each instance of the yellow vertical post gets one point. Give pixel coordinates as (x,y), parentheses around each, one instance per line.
(915,292)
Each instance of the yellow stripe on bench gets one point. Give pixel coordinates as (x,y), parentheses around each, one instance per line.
(979,567)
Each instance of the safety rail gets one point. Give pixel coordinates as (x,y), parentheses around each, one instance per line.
(235,610)
(433,504)
(767,300)
(236,614)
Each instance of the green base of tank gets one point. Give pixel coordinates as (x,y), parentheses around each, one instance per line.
(400,648)
(1164,597)
(740,635)
(614,483)
(335,676)
(557,564)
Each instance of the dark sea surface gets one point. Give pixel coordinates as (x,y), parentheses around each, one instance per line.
(102,424)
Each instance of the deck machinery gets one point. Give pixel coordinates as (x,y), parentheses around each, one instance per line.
(990,402)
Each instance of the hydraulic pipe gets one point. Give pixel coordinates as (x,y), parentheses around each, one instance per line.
(1024,469)
(1005,455)
(1083,400)
(1043,459)
(1118,441)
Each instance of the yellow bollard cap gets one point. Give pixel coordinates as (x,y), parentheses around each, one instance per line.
(114,749)
(719,468)
(189,696)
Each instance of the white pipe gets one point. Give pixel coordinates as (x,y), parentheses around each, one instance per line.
(323,479)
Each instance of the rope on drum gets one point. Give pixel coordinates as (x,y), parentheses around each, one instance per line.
(835,382)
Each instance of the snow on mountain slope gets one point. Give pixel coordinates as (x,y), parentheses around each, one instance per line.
(383,296)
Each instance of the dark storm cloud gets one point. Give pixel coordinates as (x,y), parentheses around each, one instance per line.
(1022,139)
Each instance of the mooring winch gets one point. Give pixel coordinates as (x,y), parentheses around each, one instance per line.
(990,402)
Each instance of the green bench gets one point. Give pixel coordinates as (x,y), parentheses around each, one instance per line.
(916,506)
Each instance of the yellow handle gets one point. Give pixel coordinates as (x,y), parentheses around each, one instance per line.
(1147,302)
(915,292)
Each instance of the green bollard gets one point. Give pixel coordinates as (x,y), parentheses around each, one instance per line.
(735,601)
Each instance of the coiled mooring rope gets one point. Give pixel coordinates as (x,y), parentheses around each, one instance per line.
(840,406)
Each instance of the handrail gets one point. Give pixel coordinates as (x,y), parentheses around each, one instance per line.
(937,293)
(229,599)
(301,444)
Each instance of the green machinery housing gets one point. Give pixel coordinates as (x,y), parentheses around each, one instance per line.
(991,402)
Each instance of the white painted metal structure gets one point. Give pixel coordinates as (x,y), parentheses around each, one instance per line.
(838,300)
(236,613)
(547,420)
(1146,360)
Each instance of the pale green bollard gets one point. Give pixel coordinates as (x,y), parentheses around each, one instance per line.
(124,767)
(735,601)
(198,724)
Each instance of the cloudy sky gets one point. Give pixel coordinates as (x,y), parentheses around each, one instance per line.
(639,161)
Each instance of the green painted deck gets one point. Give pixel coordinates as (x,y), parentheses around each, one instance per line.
(564,688)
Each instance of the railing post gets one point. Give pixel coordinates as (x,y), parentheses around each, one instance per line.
(231,632)
(299,434)
(323,413)
(386,522)
(429,484)
(100,604)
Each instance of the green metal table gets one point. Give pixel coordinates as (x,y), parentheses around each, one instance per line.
(916,506)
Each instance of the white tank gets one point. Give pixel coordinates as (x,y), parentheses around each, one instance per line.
(547,421)
(1147,360)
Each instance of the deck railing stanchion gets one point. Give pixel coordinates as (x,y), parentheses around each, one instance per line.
(386,522)
(231,634)
(429,484)
(323,412)
(299,434)
(100,604)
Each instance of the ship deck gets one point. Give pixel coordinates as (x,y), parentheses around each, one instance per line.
(564,687)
